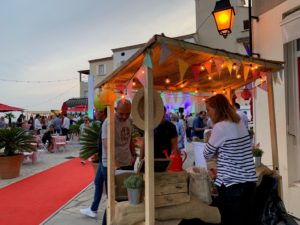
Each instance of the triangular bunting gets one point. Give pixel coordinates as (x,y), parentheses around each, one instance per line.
(196,71)
(148,61)
(183,66)
(120,87)
(246,71)
(207,66)
(228,63)
(254,74)
(140,75)
(219,66)
(164,53)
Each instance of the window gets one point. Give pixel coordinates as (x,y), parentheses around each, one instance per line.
(246,24)
(101,69)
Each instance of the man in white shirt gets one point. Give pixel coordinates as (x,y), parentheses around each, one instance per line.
(65,126)
(242,115)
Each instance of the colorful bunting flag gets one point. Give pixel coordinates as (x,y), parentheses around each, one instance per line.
(183,66)
(207,66)
(164,53)
(246,71)
(219,63)
(228,63)
(254,74)
(196,71)
(148,61)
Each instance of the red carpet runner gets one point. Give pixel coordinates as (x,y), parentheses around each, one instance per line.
(33,199)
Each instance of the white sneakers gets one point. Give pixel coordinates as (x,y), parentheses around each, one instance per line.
(88,212)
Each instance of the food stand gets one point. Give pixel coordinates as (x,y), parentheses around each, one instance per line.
(170,65)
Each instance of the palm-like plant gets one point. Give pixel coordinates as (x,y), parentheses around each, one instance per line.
(9,116)
(15,141)
(89,141)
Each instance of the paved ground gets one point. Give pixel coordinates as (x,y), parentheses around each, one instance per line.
(69,213)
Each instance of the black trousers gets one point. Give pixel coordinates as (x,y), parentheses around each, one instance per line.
(236,203)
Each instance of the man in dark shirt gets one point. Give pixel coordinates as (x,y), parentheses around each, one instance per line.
(165,138)
(199,126)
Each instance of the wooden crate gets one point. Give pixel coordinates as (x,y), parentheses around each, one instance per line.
(171,188)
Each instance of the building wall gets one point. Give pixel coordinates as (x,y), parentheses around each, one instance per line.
(207,33)
(268,42)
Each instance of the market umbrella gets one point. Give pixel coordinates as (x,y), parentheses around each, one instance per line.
(7,108)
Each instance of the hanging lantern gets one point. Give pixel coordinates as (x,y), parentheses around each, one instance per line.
(246,94)
(224,17)
(98,105)
(107,96)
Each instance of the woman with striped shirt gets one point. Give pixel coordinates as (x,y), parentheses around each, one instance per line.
(236,178)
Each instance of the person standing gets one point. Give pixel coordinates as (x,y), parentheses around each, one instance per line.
(236,175)
(37,124)
(124,152)
(65,126)
(57,124)
(199,126)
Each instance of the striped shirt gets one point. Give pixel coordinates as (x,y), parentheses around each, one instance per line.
(231,143)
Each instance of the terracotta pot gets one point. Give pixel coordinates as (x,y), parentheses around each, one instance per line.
(10,166)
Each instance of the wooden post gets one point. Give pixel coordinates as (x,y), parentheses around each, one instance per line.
(272,123)
(149,149)
(111,164)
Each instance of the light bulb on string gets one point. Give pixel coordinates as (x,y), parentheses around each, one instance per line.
(251,67)
(214,92)
(238,76)
(133,82)
(256,67)
(234,66)
(167,80)
(196,91)
(202,68)
(211,61)
(209,77)
(223,91)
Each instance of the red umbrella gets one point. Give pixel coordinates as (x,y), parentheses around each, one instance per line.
(7,108)
(78,108)
(64,108)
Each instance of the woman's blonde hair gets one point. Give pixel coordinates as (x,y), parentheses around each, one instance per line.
(223,109)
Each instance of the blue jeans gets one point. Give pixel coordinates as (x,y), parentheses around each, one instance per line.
(101,177)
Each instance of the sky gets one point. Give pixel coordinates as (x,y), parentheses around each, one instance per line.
(43,43)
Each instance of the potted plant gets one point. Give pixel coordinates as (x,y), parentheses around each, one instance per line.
(134,185)
(13,142)
(89,143)
(257,154)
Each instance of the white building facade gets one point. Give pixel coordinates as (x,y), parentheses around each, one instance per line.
(277,37)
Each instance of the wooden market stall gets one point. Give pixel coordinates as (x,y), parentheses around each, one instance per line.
(170,65)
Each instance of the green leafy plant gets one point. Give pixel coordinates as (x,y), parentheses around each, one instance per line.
(74,128)
(15,141)
(257,151)
(89,141)
(134,182)
(9,116)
